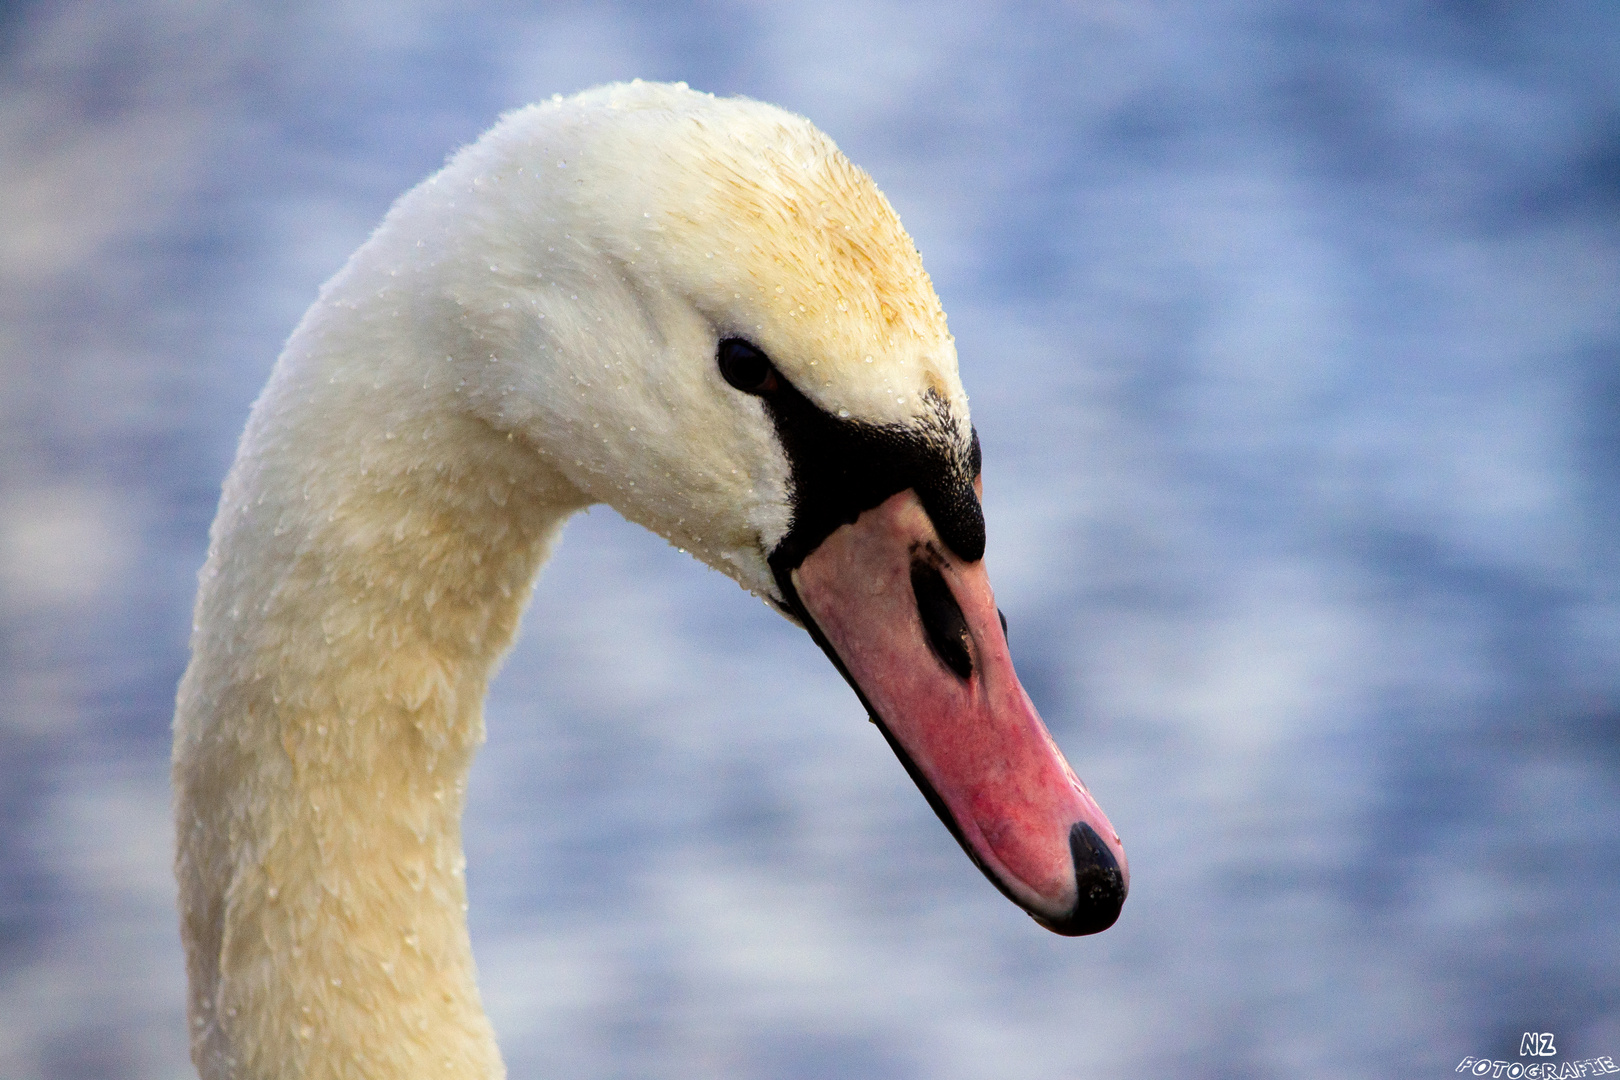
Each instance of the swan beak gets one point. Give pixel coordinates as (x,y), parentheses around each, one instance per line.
(916,631)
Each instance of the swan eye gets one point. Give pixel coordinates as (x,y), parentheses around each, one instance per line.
(746,367)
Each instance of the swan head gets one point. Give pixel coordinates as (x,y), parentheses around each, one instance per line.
(701,313)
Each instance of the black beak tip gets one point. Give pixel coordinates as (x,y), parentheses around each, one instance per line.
(1099,886)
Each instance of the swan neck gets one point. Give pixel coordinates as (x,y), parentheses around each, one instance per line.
(367,570)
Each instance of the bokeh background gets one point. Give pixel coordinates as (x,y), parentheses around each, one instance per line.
(1292,332)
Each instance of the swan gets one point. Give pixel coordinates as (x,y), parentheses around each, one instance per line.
(695,310)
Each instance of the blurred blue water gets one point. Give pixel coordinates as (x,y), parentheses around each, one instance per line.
(1293,339)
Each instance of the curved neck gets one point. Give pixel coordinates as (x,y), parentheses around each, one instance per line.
(372,554)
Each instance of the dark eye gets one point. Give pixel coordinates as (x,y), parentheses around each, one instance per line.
(746,367)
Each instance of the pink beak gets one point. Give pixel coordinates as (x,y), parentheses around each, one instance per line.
(917,633)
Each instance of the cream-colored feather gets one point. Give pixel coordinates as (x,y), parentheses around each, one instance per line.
(530,331)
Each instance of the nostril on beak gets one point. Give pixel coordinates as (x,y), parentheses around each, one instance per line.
(942,619)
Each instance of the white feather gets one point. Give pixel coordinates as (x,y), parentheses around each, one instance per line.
(530,331)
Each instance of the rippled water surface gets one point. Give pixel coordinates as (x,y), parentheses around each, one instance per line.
(1293,337)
